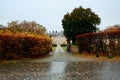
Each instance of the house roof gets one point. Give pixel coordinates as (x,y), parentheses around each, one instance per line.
(1,26)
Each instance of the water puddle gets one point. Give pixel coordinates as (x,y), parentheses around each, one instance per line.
(57,70)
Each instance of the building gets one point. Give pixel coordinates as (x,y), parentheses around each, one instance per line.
(57,37)
(2,27)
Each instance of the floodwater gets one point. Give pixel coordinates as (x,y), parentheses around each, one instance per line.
(61,66)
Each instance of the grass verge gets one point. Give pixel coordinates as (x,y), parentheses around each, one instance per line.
(93,57)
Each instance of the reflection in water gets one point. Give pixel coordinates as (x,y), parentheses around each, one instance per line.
(57,70)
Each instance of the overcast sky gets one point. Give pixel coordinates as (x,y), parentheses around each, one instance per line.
(49,13)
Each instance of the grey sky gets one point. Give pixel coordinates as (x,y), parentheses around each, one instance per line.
(49,13)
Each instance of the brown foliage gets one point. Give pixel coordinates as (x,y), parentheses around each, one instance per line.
(20,45)
(104,42)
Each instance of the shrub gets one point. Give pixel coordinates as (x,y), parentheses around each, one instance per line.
(21,45)
(64,45)
(54,45)
(103,42)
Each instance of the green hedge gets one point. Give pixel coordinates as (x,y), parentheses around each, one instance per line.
(62,45)
(54,45)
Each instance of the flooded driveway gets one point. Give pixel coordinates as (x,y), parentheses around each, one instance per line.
(61,71)
(61,66)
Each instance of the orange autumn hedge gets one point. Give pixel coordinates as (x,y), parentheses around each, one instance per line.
(20,45)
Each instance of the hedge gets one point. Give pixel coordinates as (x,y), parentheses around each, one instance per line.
(107,42)
(62,45)
(20,45)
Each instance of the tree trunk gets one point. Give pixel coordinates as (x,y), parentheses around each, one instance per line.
(73,41)
(68,45)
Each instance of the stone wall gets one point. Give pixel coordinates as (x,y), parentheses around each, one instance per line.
(74,48)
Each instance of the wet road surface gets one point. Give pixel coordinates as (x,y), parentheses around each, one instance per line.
(87,70)
(58,69)
(61,66)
